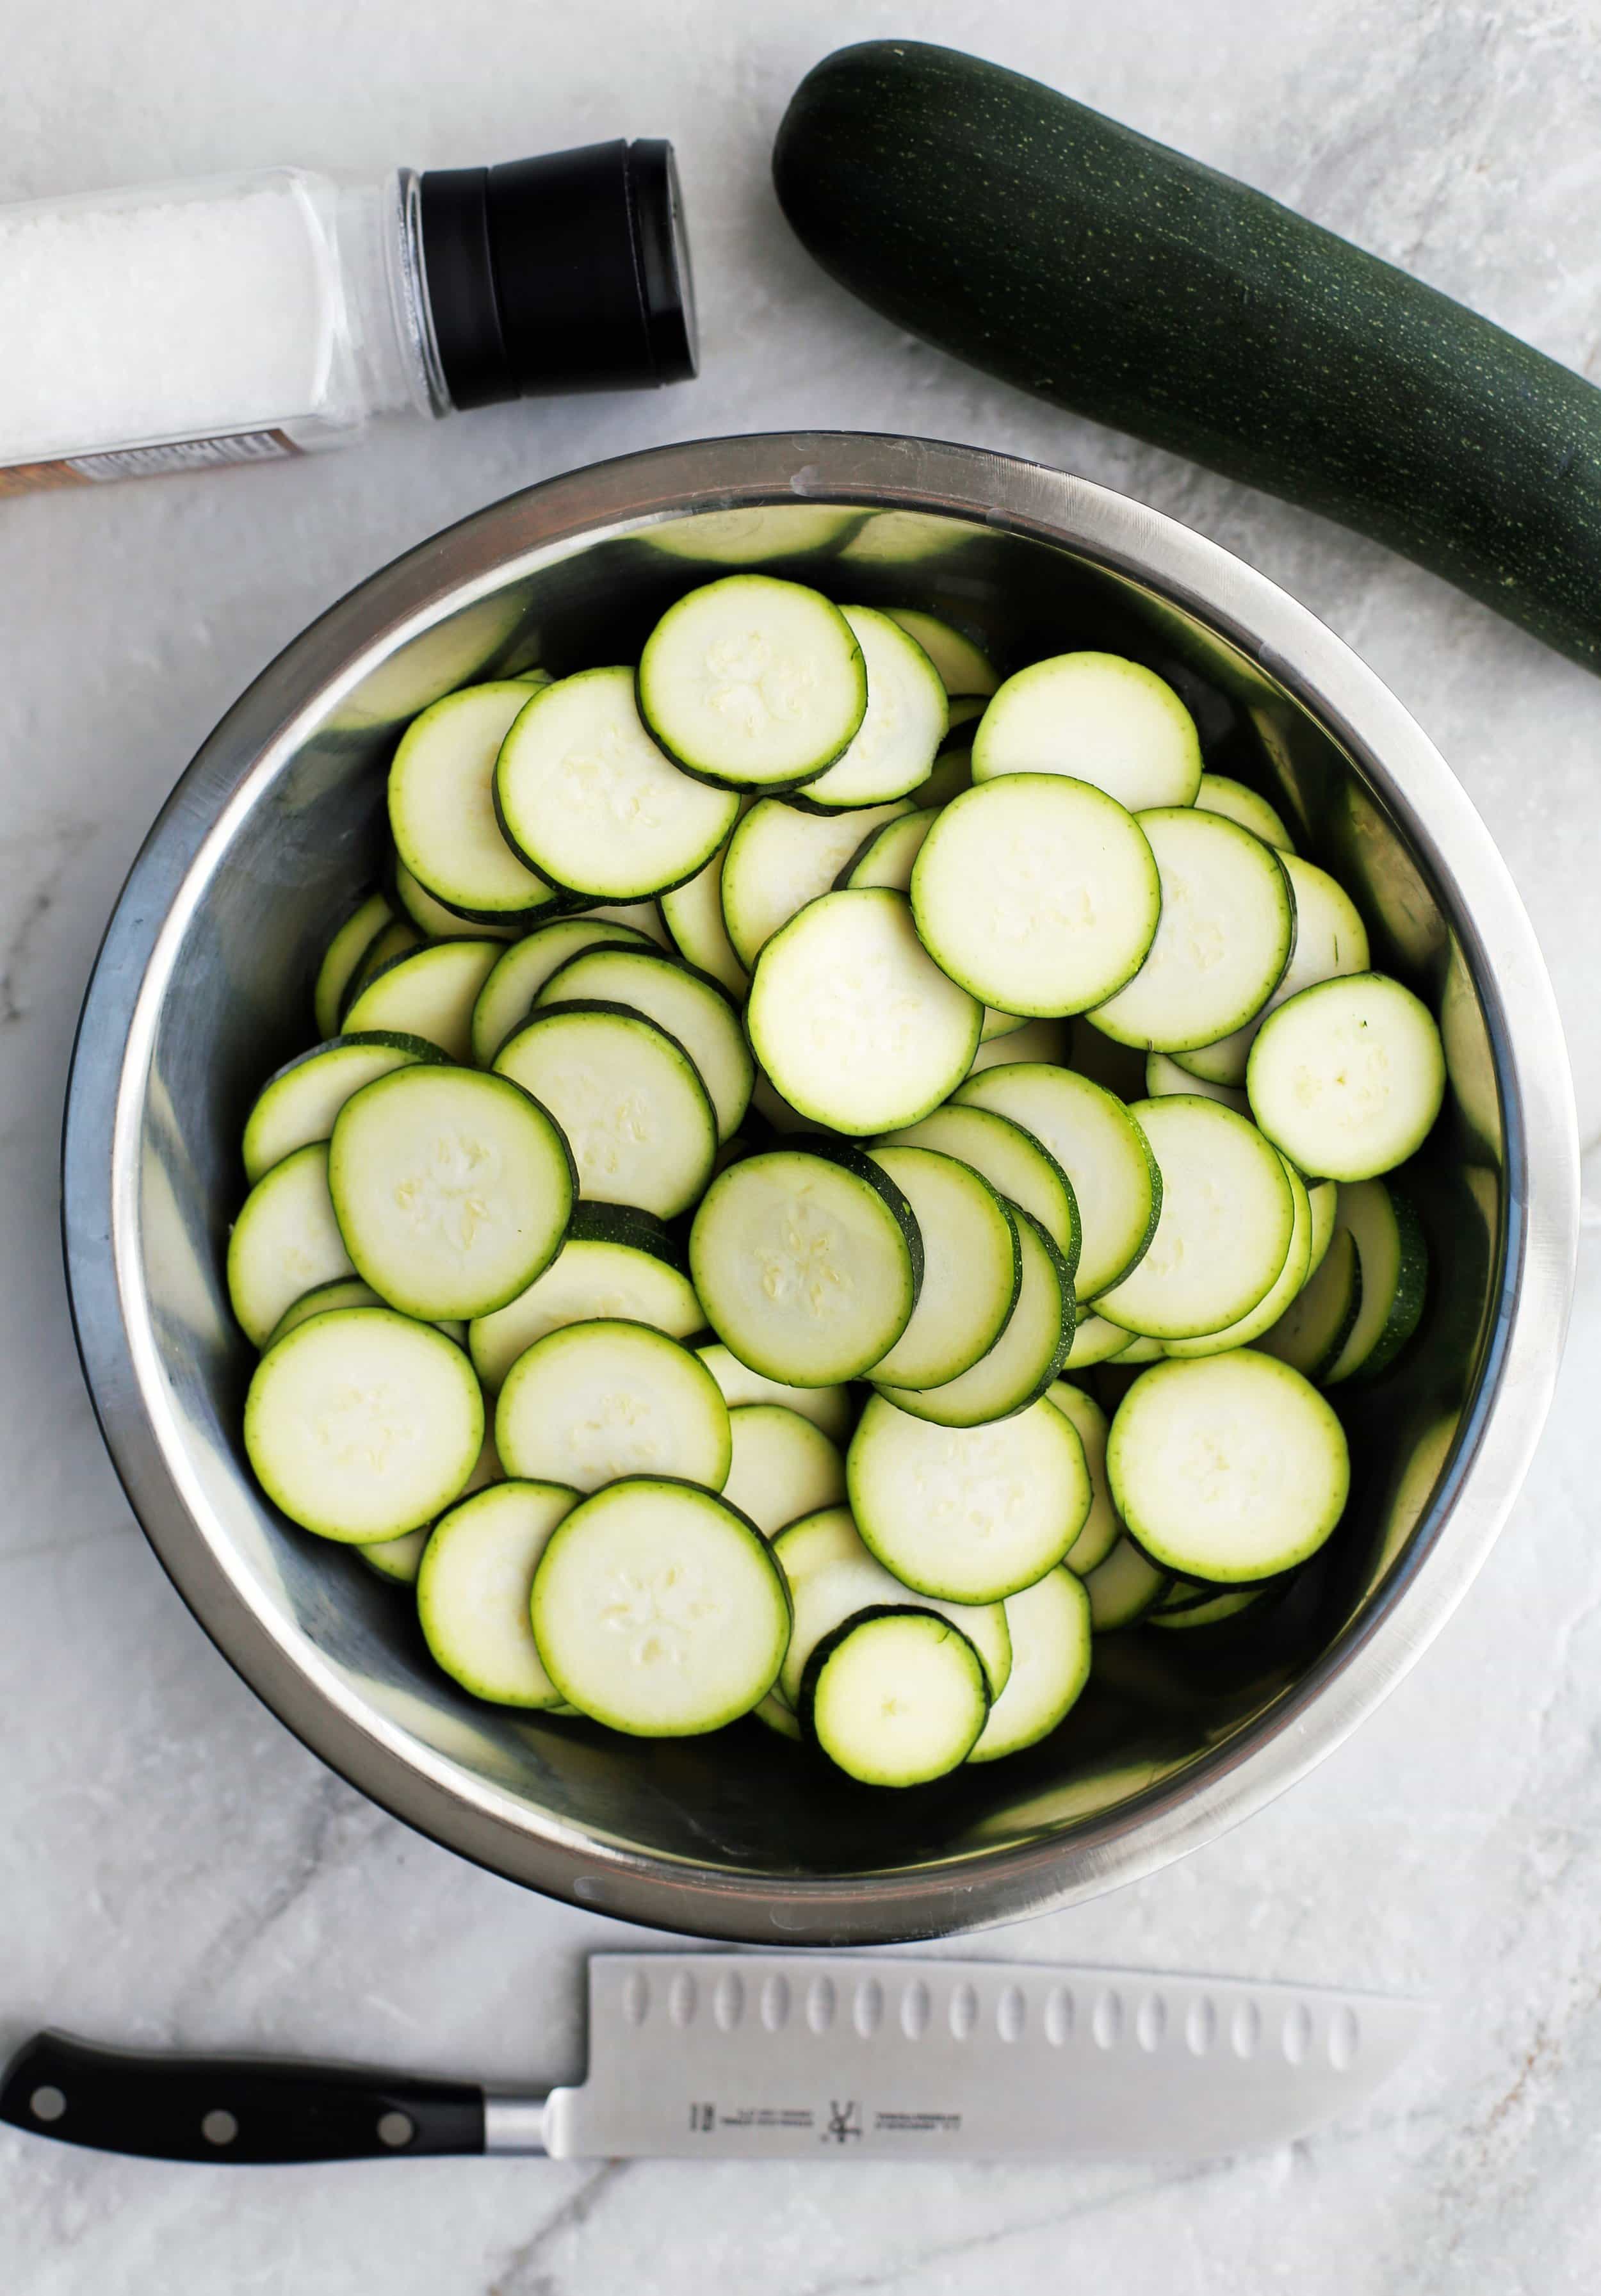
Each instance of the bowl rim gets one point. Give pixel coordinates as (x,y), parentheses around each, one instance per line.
(111,1067)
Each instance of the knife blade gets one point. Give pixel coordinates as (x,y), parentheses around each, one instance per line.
(765,2056)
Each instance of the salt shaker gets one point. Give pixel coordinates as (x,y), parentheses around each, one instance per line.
(242,319)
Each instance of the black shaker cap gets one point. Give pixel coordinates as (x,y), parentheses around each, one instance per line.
(562,273)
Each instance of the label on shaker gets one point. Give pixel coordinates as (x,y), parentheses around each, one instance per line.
(148,462)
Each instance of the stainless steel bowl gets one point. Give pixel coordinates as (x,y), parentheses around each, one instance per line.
(202,984)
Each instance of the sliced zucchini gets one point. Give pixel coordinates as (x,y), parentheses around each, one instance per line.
(507,999)
(778,1718)
(1094,1341)
(1023,1361)
(780,858)
(299,1104)
(474,1589)
(1100,1144)
(784,1466)
(1228,927)
(588,800)
(1123,1588)
(807,1266)
(441,806)
(631,1100)
(830,1409)
(1324,1198)
(591,1402)
(1097,719)
(1218,793)
(693,913)
(971,1268)
(965,668)
(1031,1040)
(1038,894)
(1348,1077)
(1330,939)
(1164,1076)
(1102,1529)
(343,1292)
(615,1264)
(882,861)
(428,992)
(896,1697)
(344,956)
(658,1610)
(1015,1164)
(1313,1330)
(399,1559)
(1277,1471)
(831,1577)
(970,1514)
(1141,1350)
(643,917)
(1051,1642)
(753,683)
(1211,1612)
(893,751)
(1287,1286)
(853,1020)
(397,939)
(285,1240)
(1226,1225)
(1394,1260)
(435,921)
(452,1189)
(362,1424)
(692,1010)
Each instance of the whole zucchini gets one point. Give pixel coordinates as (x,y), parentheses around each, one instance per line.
(1046,244)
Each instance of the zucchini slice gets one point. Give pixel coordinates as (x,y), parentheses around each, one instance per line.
(964,670)
(896,1697)
(693,913)
(893,749)
(1123,1588)
(507,999)
(1394,1260)
(970,1514)
(882,861)
(452,1189)
(474,1587)
(396,938)
(971,1268)
(1102,1529)
(830,1409)
(430,992)
(343,957)
(753,683)
(658,1610)
(1038,893)
(1286,1287)
(1227,928)
(1226,1227)
(1219,793)
(441,806)
(588,800)
(1276,1467)
(831,1577)
(853,1020)
(780,858)
(299,1103)
(1330,940)
(1210,1613)
(1103,1148)
(1347,1077)
(1323,1196)
(615,1262)
(808,1266)
(435,921)
(632,1103)
(363,1424)
(592,1402)
(1016,1163)
(284,1241)
(1097,719)
(1313,1332)
(784,1466)
(343,1292)
(1051,1643)
(1094,1341)
(692,1009)
(1023,1361)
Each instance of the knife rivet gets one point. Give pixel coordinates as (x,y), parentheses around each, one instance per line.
(396,2129)
(220,2127)
(48,2103)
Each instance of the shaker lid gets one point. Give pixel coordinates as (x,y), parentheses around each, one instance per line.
(566,273)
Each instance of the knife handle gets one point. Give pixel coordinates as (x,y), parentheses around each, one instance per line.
(170,2108)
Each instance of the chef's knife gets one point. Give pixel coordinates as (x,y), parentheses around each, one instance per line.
(764,2056)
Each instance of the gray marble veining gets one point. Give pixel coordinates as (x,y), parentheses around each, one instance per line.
(173,1867)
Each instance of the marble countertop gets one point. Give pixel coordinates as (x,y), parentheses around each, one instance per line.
(174,1867)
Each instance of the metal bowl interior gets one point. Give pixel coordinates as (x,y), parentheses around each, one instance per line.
(203,985)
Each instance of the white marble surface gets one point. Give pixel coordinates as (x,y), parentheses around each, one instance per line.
(173,1866)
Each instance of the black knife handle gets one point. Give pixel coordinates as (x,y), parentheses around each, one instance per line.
(232,2108)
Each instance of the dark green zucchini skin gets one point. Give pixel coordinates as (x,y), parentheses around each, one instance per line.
(1043,242)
